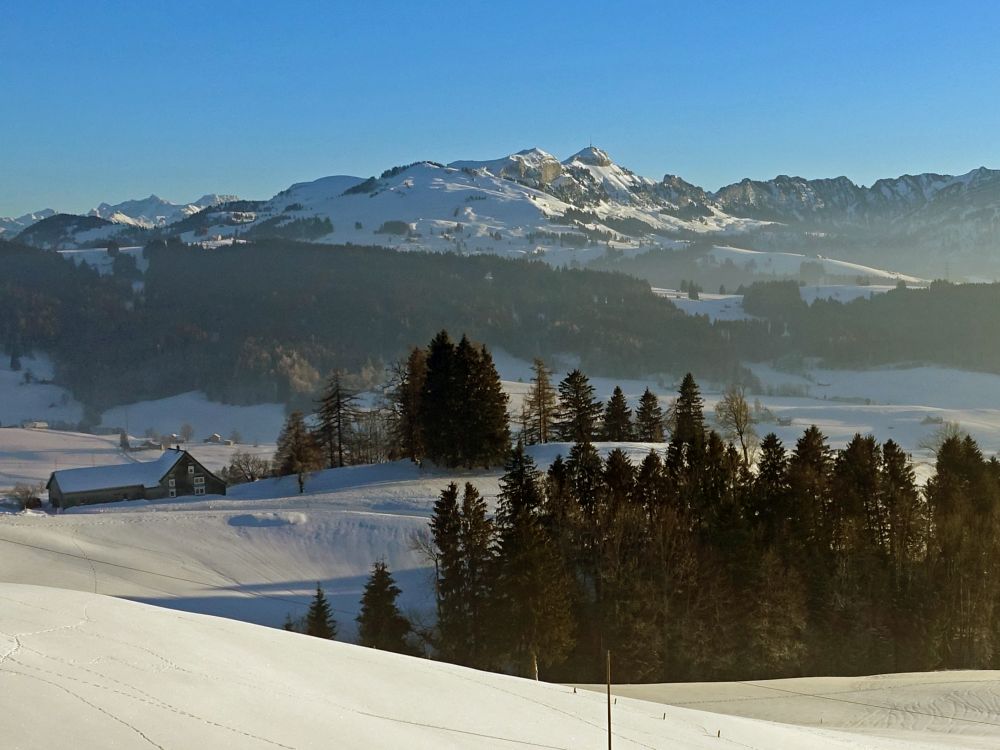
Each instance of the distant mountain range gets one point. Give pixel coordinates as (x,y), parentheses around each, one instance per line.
(531,203)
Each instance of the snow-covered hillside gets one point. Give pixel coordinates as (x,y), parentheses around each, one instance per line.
(791,265)
(90,671)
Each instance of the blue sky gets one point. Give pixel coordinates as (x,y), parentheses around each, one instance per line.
(116,100)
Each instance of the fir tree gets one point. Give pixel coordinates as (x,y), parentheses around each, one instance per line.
(586,476)
(477,541)
(297,452)
(617,426)
(533,586)
(540,404)
(337,409)
(446,531)
(486,433)
(649,418)
(688,413)
(439,403)
(319,619)
(578,411)
(380,623)
(768,497)
(463,538)
(520,489)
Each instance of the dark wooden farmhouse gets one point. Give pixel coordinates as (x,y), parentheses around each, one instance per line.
(174,474)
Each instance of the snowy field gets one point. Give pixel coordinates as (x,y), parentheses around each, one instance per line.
(790,264)
(730,306)
(124,675)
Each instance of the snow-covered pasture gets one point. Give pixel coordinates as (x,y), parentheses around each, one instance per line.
(91,671)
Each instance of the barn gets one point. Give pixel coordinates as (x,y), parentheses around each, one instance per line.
(176,473)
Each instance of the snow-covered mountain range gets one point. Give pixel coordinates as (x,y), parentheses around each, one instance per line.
(155,211)
(531,203)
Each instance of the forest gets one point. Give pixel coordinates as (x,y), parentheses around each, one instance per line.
(265,321)
(693,566)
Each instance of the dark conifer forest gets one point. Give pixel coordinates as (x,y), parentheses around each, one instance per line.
(266,321)
(692,565)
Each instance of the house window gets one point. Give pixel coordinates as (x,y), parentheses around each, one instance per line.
(199,490)
(190,470)
(199,480)
(173,493)
(172,482)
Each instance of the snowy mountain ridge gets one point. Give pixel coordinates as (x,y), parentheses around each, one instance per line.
(155,211)
(532,203)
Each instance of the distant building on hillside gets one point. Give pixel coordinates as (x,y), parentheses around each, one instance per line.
(174,474)
(31,424)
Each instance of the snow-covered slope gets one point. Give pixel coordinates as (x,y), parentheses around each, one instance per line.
(89,671)
(791,264)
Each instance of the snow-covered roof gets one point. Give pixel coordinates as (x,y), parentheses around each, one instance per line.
(141,473)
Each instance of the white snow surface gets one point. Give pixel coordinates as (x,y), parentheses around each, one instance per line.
(94,672)
(37,402)
(790,264)
(259,423)
(730,306)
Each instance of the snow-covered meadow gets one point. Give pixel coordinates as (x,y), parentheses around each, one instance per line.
(91,671)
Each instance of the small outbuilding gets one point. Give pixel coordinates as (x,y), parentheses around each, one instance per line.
(174,474)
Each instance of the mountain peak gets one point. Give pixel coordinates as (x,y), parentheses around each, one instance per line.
(592,156)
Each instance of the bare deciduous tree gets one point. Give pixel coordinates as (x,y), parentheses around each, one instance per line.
(735,418)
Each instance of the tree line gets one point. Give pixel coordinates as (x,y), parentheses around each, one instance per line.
(265,320)
(692,565)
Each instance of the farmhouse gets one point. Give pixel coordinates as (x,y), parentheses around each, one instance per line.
(174,474)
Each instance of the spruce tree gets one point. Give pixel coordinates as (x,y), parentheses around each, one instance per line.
(586,476)
(767,500)
(649,418)
(617,426)
(578,411)
(297,452)
(439,403)
(478,545)
(337,410)
(446,532)
(464,541)
(619,480)
(540,404)
(486,438)
(650,489)
(319,618)
(533,586)
(688,413)
(521,492)
(380,623)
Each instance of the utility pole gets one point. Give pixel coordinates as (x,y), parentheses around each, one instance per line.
(609,699)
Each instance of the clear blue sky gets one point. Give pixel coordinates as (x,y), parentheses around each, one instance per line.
(115,100)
